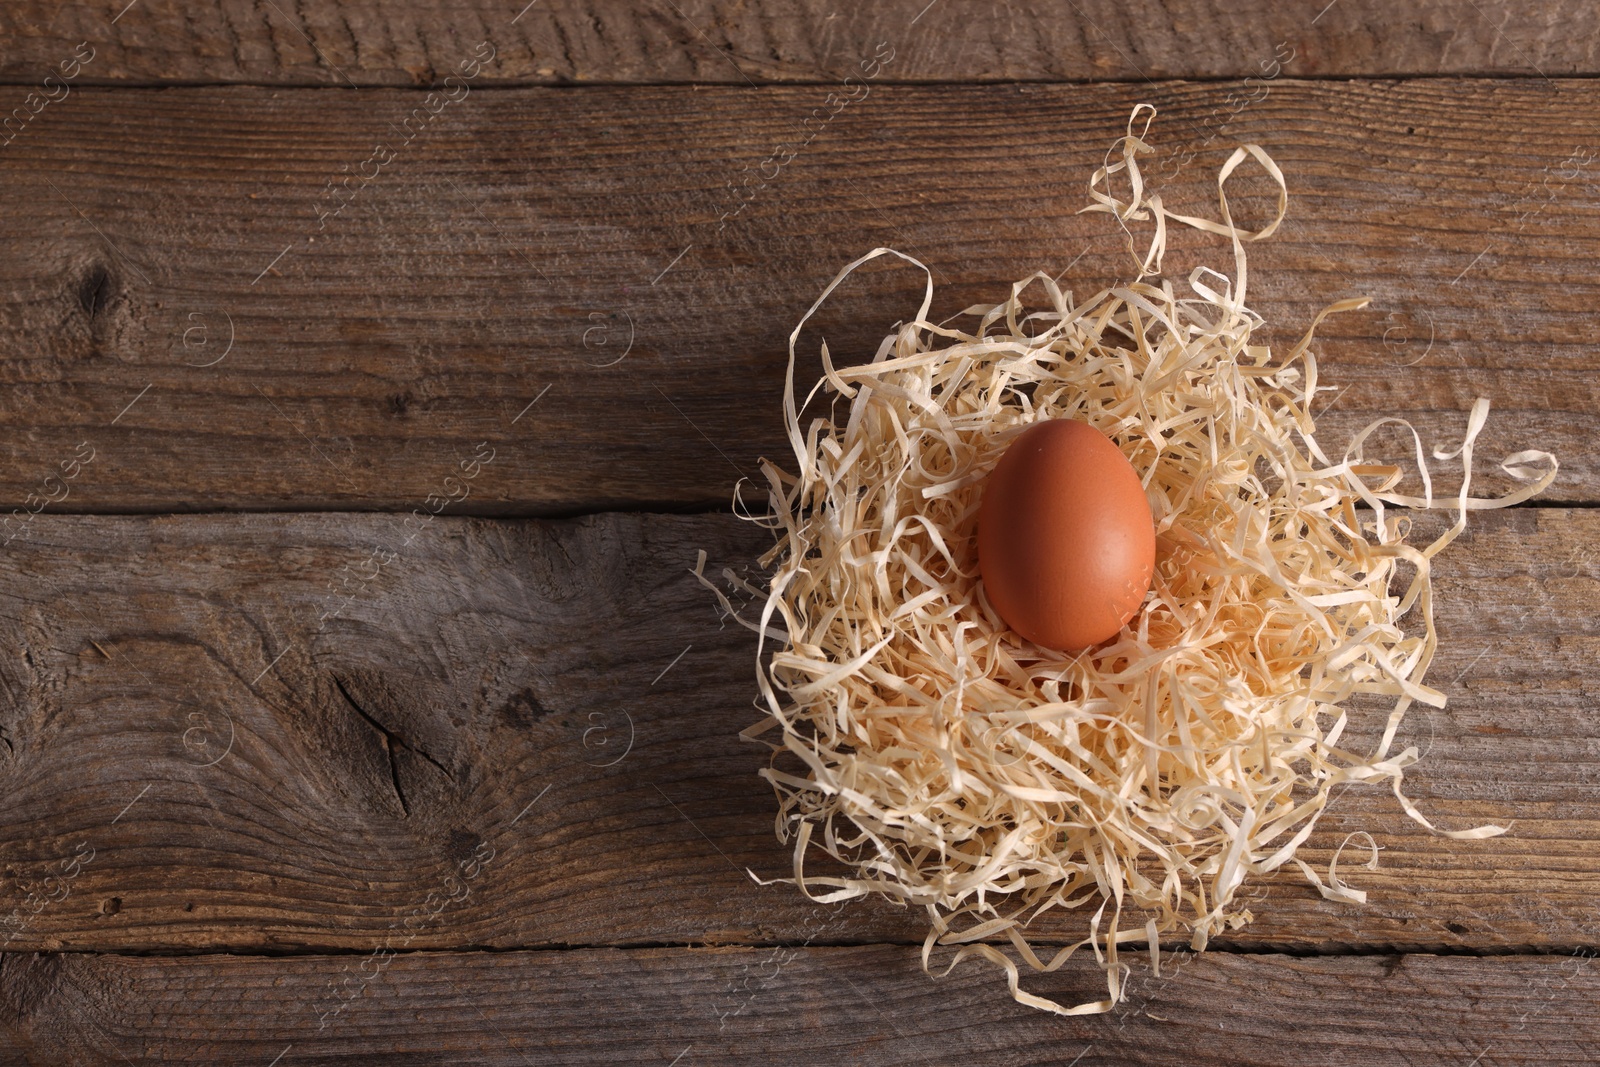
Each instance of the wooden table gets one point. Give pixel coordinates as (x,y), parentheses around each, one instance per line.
(292,775)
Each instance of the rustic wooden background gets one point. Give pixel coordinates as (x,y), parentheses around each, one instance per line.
(292,775)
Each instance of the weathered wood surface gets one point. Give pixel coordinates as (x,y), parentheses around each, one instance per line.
(526,237)
(368,42)
(311,737)
(188,764)
(868,1005)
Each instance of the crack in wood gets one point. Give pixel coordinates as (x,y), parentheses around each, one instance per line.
(392,742)
(95,291)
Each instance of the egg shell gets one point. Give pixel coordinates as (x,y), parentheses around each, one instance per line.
(1066,542)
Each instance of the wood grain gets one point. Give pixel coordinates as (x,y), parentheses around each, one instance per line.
(526,236)
(870,1005)
(189,764)
(469,789)
(372,42)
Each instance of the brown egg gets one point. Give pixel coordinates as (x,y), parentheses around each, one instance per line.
(1066,544)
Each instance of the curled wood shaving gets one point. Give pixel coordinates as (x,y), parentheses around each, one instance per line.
(948,763)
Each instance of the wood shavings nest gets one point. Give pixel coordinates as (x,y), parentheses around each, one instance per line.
(949,763)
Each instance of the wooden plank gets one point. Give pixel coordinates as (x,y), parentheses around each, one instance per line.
(806,1005)
(528,237)
(188,763)
(371,42)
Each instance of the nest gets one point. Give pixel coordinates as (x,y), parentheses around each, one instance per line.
(949,763)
